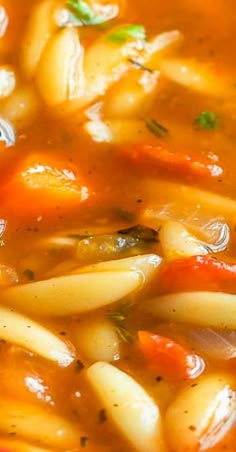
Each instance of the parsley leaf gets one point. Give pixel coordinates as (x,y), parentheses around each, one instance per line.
(118,317)
(128,31)
(207,120)
(157,129)
(84,13)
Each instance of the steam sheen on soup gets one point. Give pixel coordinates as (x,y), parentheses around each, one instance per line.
(117,226)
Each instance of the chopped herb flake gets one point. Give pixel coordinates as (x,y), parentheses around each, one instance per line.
(125,214)
(84,13)
(157,129)
(102,416)
(84,441)
(141,232)
(140,66)
(124,334)
(207,120)
(118,317)
(128,32)
(29,274)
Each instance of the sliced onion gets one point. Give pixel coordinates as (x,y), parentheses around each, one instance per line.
(219,344)
(3,21)
(7,133)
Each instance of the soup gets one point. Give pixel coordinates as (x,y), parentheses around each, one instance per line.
(118,213)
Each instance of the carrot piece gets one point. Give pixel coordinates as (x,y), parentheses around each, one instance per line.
(41,183)
(151,158)
(197,273)
(168,357)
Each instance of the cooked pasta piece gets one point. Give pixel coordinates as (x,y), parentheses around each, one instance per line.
(132,95)
(97,340)
(39,29)
(118,131)
(35,424)
(132,410)
(85,290)
(21,107)
(202,415)
(18,329)
(177,242)
(7,81)
(198,308)
(62,79)
(196,76)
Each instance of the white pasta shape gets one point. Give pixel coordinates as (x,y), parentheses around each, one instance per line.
(194,75)
(21,106)
(132,95)
(132,410)
(177,242)
(89,288)
(7,81)
(38,425)
(18,329)
(214,309)
(97,340)
(39,29)
(60,75)
(119,131)
(201,415)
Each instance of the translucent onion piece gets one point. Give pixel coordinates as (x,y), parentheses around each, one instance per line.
(189,205)
(7,133)
(177,242)
(87,289)
(18,329)
(36,424)
(202,415)
(3,21)
(132,410)
(217,344)
(214,309)
(7,81)
(8,275)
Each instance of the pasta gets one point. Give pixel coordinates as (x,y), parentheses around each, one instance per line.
(129,406)
(117,226)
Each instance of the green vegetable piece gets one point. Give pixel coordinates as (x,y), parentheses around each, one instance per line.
(157,129)
(128,32)
(207,120)
(84,13)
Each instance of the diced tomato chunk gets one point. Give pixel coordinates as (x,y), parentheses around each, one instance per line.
(168,357)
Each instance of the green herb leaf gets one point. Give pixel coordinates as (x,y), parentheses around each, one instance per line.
(127,32)
(207,120)
(124,334)
(140,66)
(84,13)
(118,317)
(141,232)
(157,129)
(124,214)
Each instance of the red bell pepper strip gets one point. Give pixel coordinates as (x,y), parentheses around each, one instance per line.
(197,273)
(151,158)
(168,357)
